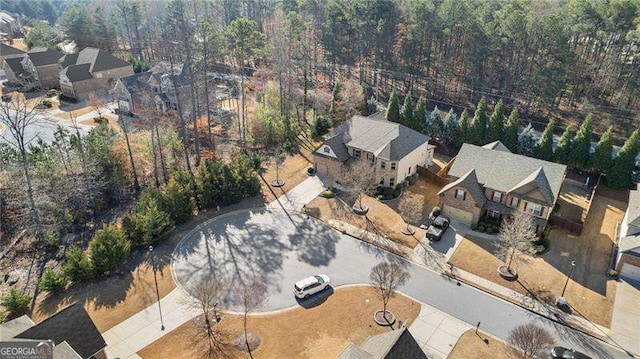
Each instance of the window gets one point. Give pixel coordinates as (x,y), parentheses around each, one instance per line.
(409,172)
(392,181)
(357,153)
(383,164)
(497,196)
(514,202)
(460,194)
(326,149)
(534,209)
(393,165)
(381,181)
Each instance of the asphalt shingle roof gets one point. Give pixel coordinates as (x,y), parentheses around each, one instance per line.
(352,351)
(10,329)
(469,181)
(71,324)
(15,64)
(387,140)
(77,72)
(41,56)
(496,145)
(505,171)
(396,344)
(6,50)
(100,60)
(337,146)
(633,209)
(136,83)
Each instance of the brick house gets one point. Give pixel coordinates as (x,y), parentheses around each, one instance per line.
(90,70)
(394,150)
(628,258)
(490,182)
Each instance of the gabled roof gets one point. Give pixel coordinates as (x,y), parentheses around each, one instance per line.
(71,324)
(77,72)
(633,209)
(68,60)
(505,171)
(536,180)
(15,64)
(100,60)
(497,145)
(337,146)
(469,181)
(387,140)
(396,344)
(41,56)
(629,243)
(6,50)
(352,351)
(14,327)
(136,83)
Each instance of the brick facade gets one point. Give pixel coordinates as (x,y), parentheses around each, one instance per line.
(468,204)
(328,167)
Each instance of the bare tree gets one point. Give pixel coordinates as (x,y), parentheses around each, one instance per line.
(16,116)
(97,102)
(360,176)
(206,296)
(516,236)
(530,341)
(411,210)
(386,278)
(124,125)
(252,292)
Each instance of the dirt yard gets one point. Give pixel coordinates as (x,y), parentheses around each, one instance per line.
(298,333)
(590,292)
(472,346)
(572,202)
(292,171)
(424,193)
(381,219)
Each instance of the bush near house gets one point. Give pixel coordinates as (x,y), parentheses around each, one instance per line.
(52,281)
(78,267)
(16,302)
(108,248)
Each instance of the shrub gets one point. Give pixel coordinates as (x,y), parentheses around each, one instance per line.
(380,197)
(320,126)
(327,193)
(413,180)
(474,226)
(399,186)
(177,202)
(16,302)
(77,266)
(153,225)
(108,247)
(53,239)
(52,281)
(310,171)
(481,228)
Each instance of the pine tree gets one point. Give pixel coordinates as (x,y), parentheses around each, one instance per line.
(510,135)
(565,146)
(601,160)
(527,141)
(496,123)
(544,148)
(624,164)
(419,115)
(393,110)
(435,125)
(582,144)
(406,114)
(478,129)
(462,132)
(450,128)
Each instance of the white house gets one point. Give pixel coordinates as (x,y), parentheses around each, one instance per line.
(628,258)
(394,150)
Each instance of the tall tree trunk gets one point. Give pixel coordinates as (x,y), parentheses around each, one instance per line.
(136,184)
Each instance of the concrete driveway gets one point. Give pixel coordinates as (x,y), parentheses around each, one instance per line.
(274,249)
(625,321)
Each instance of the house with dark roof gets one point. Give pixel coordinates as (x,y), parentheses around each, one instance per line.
(491,182)
(628,257)
(155,86)
(395,344)
(393,150)
(90,70)
(9,52)
(70,330)
(38,68)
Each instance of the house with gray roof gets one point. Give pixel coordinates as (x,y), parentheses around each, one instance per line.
(9,52)
(38,68)
(628,257)
(394,151)
(395,344)
(90,70)
(70,332)
(489,182)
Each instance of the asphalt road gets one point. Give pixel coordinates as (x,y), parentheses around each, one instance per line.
(275,249)
(42,128)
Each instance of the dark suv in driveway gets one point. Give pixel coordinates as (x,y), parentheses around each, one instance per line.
(437,228)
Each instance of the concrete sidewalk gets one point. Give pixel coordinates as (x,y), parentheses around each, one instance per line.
(299,196)
(437,332)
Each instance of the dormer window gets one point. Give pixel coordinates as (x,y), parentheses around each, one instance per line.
(326,149)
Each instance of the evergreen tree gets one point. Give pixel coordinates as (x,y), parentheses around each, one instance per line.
(601,160)
(406,114)
(450,128)
(108,247)
(510,135)
(419,115)
(462,132)
(435,124)
(621,172)
(496,123)
(544,148)
(582,144)
(527,141)
(565,146)
(478,129)
(393,110)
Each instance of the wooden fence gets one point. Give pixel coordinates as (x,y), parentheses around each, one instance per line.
(432,177)
(571,226)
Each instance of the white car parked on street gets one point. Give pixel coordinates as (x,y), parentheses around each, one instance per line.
(311,285)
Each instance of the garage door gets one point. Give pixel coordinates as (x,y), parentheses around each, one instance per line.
(630,272)
(459,215)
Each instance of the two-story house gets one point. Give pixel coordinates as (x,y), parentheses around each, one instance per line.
(628,258)
(38,68)
(395,151)
(90,70)
(492,182)
(9,52)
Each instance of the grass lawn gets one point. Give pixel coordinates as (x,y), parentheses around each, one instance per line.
(471,346)
(590,292)
(381,219)
(319,332)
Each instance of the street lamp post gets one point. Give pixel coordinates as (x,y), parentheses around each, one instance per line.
(561,300)
(155,279)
